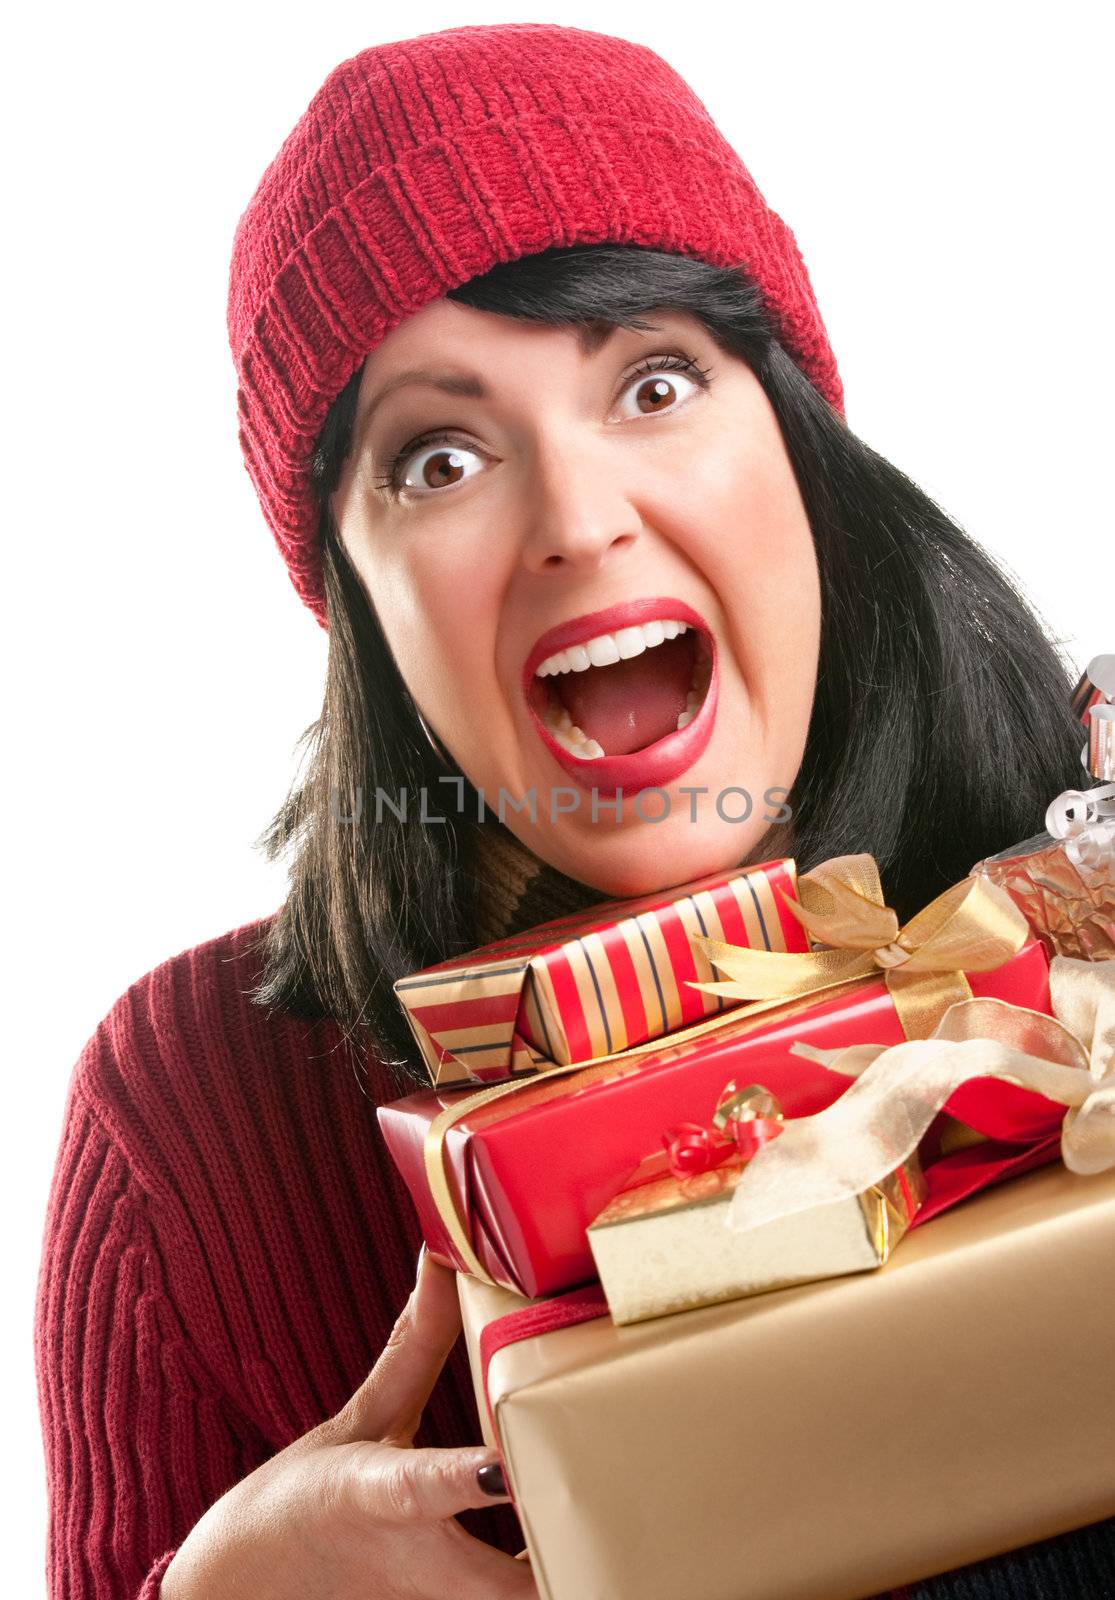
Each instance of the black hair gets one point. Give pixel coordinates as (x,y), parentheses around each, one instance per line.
(941,726)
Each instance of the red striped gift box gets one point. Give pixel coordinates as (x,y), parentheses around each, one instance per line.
(590,984)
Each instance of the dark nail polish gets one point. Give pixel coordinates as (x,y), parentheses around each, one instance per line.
(491,1479)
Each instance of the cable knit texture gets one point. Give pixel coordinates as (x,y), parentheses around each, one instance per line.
(226,1249)
(425,162)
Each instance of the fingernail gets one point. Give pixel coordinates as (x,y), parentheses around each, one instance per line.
(491,1479)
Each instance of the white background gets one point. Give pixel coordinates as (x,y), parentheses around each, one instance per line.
(945,171)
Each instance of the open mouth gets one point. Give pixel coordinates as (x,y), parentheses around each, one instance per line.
(618,693)
(625,698)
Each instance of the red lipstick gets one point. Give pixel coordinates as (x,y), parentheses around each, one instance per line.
(657,764)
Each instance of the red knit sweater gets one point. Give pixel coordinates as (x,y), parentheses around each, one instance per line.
(226,1248)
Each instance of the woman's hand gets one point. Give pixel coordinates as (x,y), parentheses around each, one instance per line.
(350,1510)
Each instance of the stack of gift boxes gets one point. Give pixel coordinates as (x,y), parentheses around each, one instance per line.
(682,1150)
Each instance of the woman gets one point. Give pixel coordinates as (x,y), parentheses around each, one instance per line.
(629,402)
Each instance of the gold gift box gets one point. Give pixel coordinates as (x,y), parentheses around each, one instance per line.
(828,1441)
(662,1245)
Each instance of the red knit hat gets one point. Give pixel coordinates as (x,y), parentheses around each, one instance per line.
(425,162)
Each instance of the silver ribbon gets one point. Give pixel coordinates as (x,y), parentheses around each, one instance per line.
(1085,820)
(1101,673)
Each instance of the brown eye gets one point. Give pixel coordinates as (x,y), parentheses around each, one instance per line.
(658,390)
(654,395)
(432,463)
(420,469)
(439,468)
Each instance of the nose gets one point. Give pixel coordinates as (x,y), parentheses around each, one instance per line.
(579,512)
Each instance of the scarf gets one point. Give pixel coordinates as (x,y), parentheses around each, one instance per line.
(513,889)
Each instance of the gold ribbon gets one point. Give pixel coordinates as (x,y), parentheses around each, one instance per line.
(973,927)
(586,1072)
(898,1090)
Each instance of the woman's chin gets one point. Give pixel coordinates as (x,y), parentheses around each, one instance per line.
(626,863)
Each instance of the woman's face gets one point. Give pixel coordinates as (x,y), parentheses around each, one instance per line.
(571,473)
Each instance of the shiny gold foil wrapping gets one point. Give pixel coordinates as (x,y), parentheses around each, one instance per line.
(833,1440)
(1070,906)
(662,1246)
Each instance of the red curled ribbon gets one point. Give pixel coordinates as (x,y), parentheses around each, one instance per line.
(744,1120)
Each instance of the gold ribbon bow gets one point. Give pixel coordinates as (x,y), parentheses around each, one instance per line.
(898,1090)
(973,927)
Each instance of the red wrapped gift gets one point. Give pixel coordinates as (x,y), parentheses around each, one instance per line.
(592,983)
(506,1181)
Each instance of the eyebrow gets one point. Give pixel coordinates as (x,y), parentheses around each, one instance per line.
(591,338)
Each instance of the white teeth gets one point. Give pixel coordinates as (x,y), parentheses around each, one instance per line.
(695,698)
(572,738)
(630,642)
(569,736)
(603,651)
(609,647)
(557,719)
